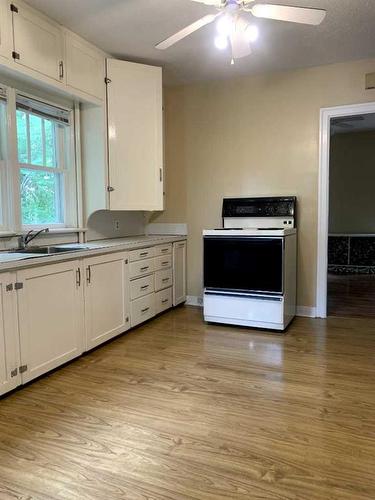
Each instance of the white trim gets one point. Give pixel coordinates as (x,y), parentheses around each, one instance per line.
(194,300)
(326,114)
(305,311)
(161,228)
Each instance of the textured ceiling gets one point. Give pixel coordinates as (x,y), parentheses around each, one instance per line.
(129,29)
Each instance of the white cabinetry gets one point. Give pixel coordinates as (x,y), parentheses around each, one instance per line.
(106,297)
(135,138)
(5,30)
(9,340)
(85,66)
(37,41)
(50,308)
(179,272)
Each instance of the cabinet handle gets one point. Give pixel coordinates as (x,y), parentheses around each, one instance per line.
(88,275)
(165,280)
(165,263)
(143,254)
(164,250)
(61,70)
(144,287)
(78,277)
(145,310)
(144,268)
(165,301)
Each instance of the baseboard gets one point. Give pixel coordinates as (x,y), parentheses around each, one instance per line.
(305,311)
(194,300)
(161,228)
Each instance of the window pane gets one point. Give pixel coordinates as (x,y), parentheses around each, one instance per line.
(36,141)
(40,197)
(22,137)
(50,138)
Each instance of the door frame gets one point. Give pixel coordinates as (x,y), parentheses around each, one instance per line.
(326,114)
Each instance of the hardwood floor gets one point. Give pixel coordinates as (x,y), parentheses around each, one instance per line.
(351,295)
(178,409)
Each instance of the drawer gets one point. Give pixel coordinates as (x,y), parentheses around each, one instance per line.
(141,253)
(163,262)
(142,309)
(141,287)
(163,300)
(163,249)
(141,267)
(163,279)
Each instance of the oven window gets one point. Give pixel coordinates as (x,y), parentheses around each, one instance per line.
(244,264)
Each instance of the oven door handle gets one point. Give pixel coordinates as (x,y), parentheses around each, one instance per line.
(244,295)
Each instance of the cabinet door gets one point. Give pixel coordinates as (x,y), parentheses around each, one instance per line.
(9,341)
(106,297)
(84,66)
(50,305)
(179,272)
(135,136)
(38,43)
(5,30)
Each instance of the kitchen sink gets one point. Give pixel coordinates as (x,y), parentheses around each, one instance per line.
(50,250)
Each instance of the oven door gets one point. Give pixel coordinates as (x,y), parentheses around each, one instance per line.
(244,264)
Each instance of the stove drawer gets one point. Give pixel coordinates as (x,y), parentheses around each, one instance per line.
(245,308)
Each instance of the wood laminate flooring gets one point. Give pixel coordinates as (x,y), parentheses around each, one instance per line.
(178,409)
(351,295)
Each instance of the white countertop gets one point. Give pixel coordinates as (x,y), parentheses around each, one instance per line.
(11,261)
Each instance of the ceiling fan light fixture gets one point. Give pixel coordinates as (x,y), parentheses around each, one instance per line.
(224,25)
(221,42)
(252,33)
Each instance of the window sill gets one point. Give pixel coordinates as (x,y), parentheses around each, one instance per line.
(60,230)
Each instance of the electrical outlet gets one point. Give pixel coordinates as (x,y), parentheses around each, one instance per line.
(117,225)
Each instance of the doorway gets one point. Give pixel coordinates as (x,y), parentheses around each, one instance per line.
(346,226)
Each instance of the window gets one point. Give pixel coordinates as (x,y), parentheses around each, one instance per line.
(46,164)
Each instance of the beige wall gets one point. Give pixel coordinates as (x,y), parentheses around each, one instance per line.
(352,183)
(252,136)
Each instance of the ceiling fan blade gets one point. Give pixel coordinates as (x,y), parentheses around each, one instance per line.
(240,45)
(165,44)
(301,15)
(213,3)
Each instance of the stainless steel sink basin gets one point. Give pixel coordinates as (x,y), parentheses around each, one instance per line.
(49,250)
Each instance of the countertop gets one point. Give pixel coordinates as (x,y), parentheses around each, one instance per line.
(12,261)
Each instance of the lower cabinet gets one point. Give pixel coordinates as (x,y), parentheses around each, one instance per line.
(106,297)
(50,311)
(9,340)
(179,272)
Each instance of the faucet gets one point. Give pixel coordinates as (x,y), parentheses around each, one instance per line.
(25,239)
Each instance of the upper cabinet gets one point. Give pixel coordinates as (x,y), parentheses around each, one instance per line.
(6,46)
(85,66)
(37,42)
(135,136)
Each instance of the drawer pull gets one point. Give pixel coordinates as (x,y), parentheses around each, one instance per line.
(165,263)
(145,310)
(165,301)
(143,254)
(145,268)
(165,280)
(164,250)
(144,287)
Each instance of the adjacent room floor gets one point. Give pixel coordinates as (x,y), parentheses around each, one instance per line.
(178,409)
(351,295)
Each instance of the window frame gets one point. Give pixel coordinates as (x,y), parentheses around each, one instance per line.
(11,204)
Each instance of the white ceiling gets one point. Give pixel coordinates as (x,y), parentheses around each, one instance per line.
(129,29)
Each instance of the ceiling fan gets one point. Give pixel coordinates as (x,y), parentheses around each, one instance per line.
(235,29)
